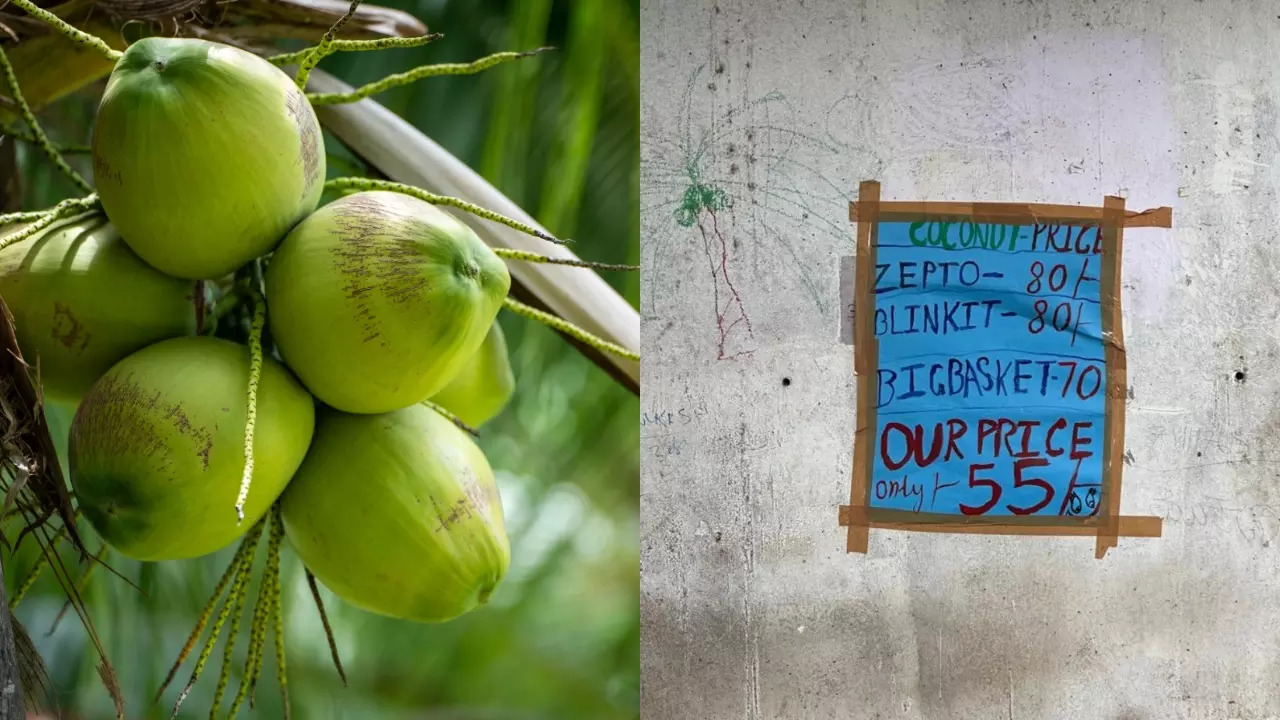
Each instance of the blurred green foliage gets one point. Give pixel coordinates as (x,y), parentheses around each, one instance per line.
(559,134)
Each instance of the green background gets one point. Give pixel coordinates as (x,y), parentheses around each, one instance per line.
(558,133)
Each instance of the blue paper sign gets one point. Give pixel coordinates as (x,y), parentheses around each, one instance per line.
(991,372)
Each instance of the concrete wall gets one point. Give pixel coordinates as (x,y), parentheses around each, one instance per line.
(759,119)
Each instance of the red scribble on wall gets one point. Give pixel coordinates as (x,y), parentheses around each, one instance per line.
(732,312)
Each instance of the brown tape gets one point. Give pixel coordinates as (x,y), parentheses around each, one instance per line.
(897,211)
(872,515)
(1126,525)
(1112,231)
(866,354)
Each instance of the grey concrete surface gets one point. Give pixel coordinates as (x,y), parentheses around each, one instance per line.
(759,119)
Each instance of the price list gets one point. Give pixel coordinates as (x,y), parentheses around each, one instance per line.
(991,374)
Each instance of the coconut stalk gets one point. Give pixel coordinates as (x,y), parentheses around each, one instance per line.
(402,153)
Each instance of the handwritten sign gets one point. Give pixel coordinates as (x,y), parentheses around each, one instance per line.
(991,370)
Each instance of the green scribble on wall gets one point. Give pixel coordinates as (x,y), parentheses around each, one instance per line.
(699,197)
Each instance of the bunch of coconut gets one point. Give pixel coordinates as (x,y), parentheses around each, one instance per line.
(372,333)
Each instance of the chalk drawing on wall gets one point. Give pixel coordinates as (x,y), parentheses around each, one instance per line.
(991,369)
(739,184)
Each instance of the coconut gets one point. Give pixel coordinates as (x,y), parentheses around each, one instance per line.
(82,301)
(484,385)
(378,299)
(157,447)
(398,514)
(204,155)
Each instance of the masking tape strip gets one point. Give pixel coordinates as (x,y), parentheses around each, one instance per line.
(866,354)
(895,211)
(1112,231)
(1148,526)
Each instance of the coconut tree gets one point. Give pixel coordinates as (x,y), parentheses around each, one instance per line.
(387,153)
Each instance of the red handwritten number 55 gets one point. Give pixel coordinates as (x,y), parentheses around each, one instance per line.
(1018,482)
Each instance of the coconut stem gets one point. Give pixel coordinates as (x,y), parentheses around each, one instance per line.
(239,593)
(324,622)
(243,562)
(568,328)
(318,52)
(22,217)
(277,610)
(257,634)
(251,413)
(37,133)
(205,614)
(76,35)
(66,208)
(452,418)
(271,611)
(355,46)
(422,71)
(356,183)
(536,258)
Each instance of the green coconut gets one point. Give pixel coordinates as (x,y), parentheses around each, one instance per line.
(82,300)
(204,155)
(398,514)
(484,385)
(157,447)
(377,300)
